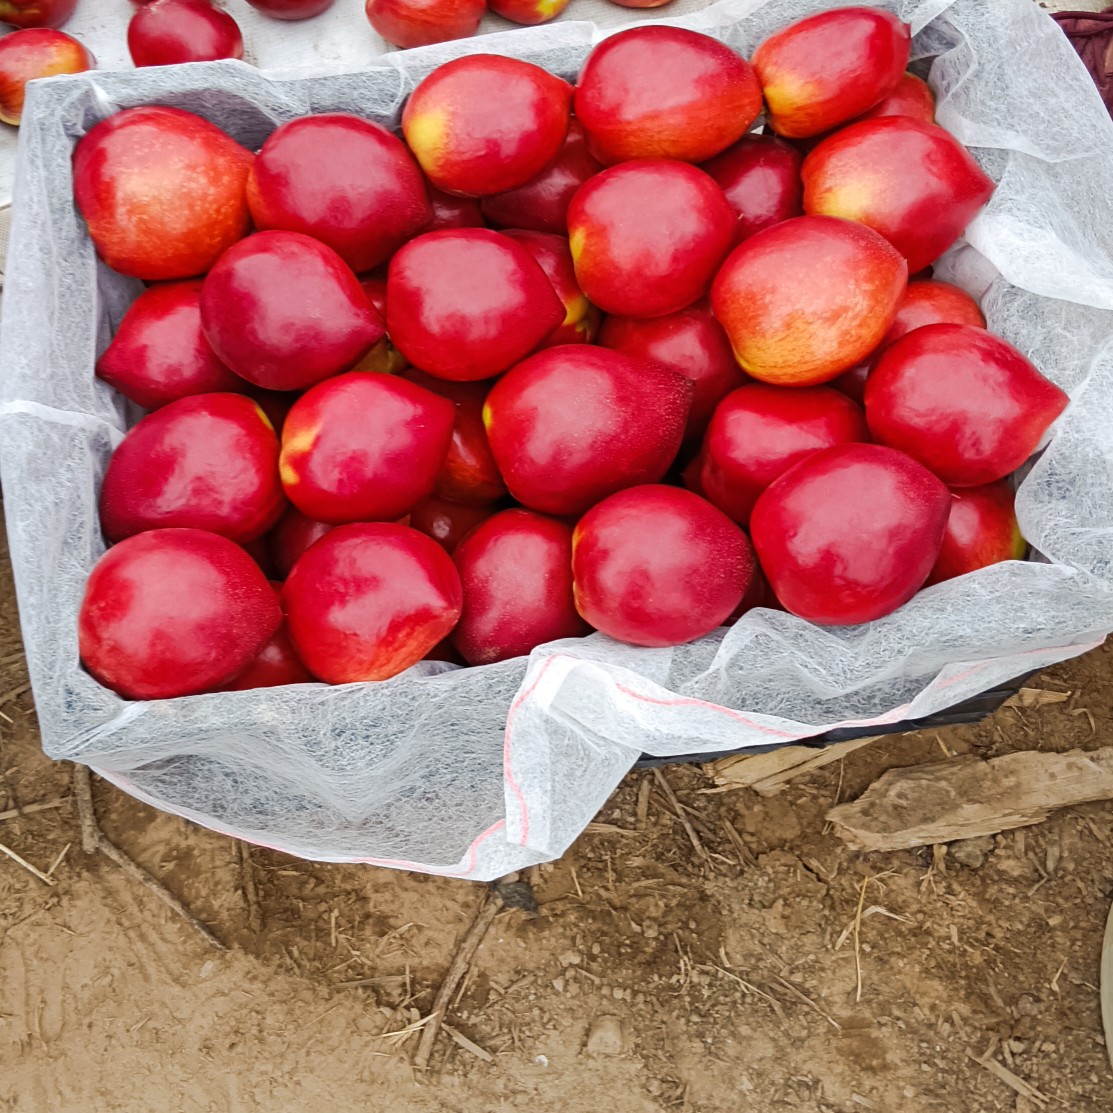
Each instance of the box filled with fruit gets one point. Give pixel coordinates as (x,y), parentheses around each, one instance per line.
(390,459)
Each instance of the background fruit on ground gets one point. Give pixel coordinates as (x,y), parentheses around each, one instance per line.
(33,53)
(361,447)
(575,423)
(36,13)
(291,9)
(760,178)
(758,432)
(529,12)
(168,32)
(911,181)
(648,236)
(208,462)
(664,92)
(162,191)
(516,573)
(981,530)
(554,256)
(691,342)
(962,401)
(174,612)
(449,324)
(369,600)
(807,299)
(658,566)
(828,68)
(484,123)
(284,311)
(541,204)
(346,181)
(850,533)
(159,353)
(409,23)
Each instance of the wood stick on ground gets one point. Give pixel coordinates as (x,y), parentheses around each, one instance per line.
(686,823)
(247,883)
(46,879)
(461,960)
(33,809)
(965,797)
(1107,985)
(93,839)
(1013,1081)
(769,773)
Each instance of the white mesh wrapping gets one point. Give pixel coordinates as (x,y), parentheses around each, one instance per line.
(475,772)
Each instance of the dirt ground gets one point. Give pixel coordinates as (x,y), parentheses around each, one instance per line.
(649,979)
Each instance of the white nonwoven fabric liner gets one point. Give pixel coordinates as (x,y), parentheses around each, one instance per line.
(476,772)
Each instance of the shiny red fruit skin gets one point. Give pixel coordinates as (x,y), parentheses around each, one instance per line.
(912,182)
(448,323)
(345,181)
(447,523)
(450,211)
(291,9)
(828,68)
(162,191)
(369,600)
(34,53)
(174,612)
(276,664)
(485,123)
(36,13)
(469,474)
(284,311)
(658,566)
(573,424)
(167,32)
(554,256)
(516,572)
(664,92)
(911,97)
(981,530)
(209,462)
(963,402)
(361,447)
(927,301)
(528,12)
(760,431)
(760,178)
(691,342)
(293,534)
(159,353)
(807,299)
(541,205)
(850,533)
(409,23)
(663,259)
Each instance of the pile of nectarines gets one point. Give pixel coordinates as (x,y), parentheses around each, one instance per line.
(554,359)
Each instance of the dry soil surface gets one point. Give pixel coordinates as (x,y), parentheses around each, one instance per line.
(651,978)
